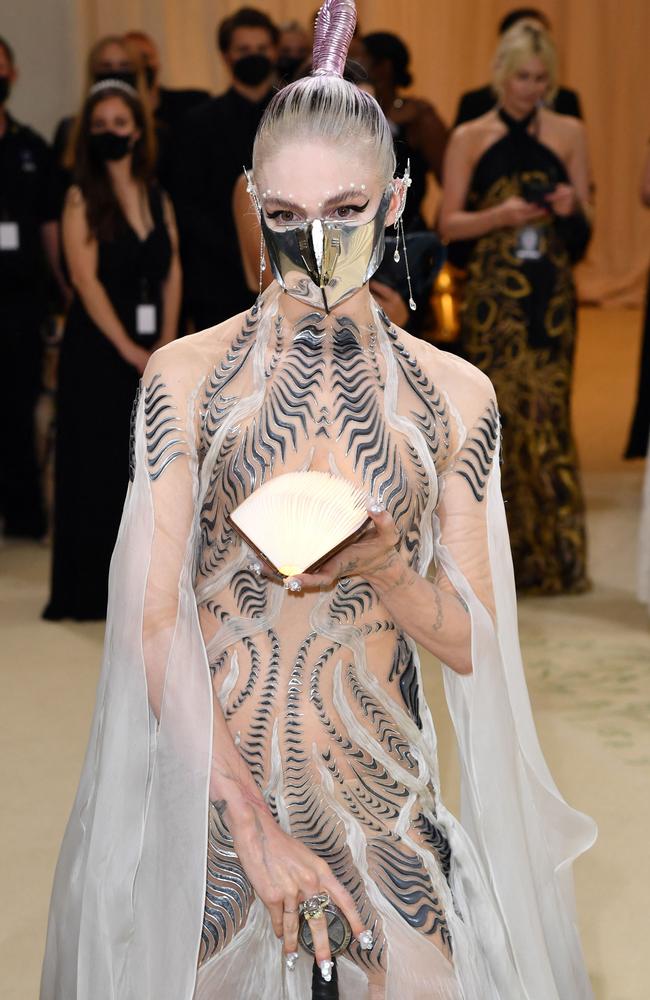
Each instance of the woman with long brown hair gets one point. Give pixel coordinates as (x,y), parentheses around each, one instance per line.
(120,244)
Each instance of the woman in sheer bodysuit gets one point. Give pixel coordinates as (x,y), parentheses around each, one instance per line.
(280,731)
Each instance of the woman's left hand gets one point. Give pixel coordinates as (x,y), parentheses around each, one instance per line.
(563,200)
(375,551)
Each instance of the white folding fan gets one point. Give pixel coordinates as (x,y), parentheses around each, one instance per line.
(298,520)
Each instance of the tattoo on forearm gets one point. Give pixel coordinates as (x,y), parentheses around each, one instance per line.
(437,599)
(405,578)
(251,796)
(348,569)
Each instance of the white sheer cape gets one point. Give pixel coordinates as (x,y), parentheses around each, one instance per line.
(127,903)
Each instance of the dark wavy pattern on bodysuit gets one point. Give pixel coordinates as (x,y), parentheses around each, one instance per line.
(323,388)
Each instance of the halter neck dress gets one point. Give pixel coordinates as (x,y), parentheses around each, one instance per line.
(519,327)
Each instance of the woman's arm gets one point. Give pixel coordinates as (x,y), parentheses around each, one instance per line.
(432,612)
(575,196)
(455,222)
(248,234)
(435,618)
(81,253)
(172,287)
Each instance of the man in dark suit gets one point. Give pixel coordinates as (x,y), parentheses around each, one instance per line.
(168,106)
(217,144)
(475,103)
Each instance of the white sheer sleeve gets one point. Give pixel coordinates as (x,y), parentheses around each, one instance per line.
(127,904)
(524,832)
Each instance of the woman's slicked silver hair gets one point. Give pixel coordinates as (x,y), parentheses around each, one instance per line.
(324,105)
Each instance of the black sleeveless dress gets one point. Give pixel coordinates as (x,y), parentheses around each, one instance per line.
(519,326)
(96,389)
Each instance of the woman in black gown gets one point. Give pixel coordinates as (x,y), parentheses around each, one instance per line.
(516,191)
(121,250)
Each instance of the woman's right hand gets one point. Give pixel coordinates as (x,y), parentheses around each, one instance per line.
(283,872)
(516,211)
(137,356)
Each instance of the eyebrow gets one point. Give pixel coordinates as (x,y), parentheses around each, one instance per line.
(338,199)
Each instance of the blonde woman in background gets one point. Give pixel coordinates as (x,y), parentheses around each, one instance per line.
(516,195)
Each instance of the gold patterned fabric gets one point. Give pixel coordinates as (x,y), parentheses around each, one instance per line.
(519,326)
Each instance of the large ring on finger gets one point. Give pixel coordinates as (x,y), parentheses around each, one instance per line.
(312,908)
(339,931)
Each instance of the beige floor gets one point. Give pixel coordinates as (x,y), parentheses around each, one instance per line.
(588,660)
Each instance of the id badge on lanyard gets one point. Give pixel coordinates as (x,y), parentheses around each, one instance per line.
(9,236)
(146,318)
(529,243)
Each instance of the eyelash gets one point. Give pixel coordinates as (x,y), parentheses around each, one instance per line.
(347,208)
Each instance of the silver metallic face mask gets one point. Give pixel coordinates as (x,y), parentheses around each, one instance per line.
(324,263)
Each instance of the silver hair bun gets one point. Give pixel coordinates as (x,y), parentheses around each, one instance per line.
(333,33)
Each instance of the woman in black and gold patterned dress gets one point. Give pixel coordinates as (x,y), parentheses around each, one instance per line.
(516,193)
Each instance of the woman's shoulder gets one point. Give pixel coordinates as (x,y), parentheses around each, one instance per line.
(474,136)
(194,356)
(466,385)
(565,127)
(564,134)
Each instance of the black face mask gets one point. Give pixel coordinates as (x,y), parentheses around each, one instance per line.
(251,70)
(150,76)
(5,89)
(125,75)
(109,146)
(287,66)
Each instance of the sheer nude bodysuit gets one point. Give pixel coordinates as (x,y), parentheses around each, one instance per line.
(321,691)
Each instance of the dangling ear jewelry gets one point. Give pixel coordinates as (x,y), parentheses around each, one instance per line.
(252,191)
(412,304)
(399,228)
(262,257)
